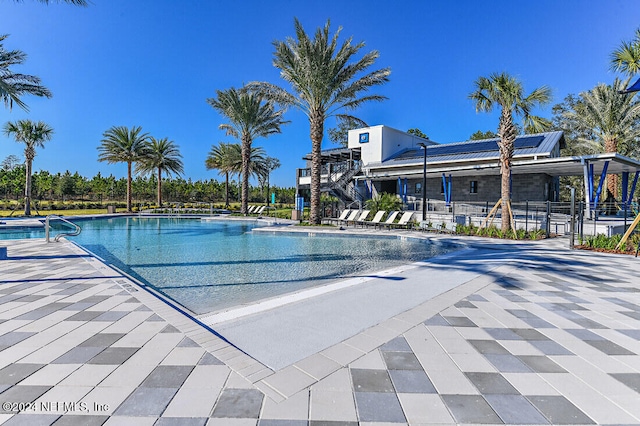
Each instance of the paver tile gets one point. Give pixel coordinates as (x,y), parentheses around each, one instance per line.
(371,380)
(471,409)
(515,409)
(379,407)
(411,381)
(239,403)
(146,401)
(558,410)
(424,409)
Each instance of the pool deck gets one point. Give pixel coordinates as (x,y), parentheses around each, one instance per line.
(525,333)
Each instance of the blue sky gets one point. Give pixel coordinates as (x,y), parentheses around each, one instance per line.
(153,63)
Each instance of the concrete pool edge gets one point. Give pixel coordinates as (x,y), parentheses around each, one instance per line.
(275,302)
(278,384)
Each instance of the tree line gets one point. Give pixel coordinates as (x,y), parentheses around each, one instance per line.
(65,187)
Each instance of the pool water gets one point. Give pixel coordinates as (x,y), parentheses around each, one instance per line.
(209,266)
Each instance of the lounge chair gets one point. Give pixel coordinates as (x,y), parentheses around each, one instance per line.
(259,211)
(404,220)
(363,217)
(251,209)
(376,219)
(352,217)
(448,228)
(343,216)
(390,219)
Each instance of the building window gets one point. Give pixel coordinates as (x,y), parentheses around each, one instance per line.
(441,187)
(473,187)
(364,137)
(418,188)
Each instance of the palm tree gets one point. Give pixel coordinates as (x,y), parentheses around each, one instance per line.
(123,145)
(506,92)
(33,135)
(224,159)
(250,117)
(162,155)
(626,58)
(607,121)
(12,85)
(323,83)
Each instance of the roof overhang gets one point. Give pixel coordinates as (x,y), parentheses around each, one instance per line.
(337,155)
(559,166)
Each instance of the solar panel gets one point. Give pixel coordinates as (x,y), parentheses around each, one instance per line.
(523,142)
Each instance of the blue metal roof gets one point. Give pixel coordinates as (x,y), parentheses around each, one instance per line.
(538,144)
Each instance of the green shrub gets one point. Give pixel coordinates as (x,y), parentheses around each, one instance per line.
(383,201)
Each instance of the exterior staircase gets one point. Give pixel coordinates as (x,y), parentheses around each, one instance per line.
(340,182)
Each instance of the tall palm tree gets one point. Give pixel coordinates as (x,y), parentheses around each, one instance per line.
(122,145)
(608,121)
(250,117)
(323,82)
(162,155)
(626,58)
(224,158)
(33,135)
(506,92)
(13,85)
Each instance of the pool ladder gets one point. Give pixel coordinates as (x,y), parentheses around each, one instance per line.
(47,228)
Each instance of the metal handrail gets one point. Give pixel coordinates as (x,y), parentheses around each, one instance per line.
(47,228)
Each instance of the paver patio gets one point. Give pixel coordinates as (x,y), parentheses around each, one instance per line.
(548,336)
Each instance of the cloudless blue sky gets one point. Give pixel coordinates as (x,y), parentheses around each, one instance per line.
(153,63)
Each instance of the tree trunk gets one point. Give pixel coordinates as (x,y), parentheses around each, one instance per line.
(129,187)
(159,187)
(246,154)
(507,133)
(611,146)
(317,131)
(226,190)
(27,187)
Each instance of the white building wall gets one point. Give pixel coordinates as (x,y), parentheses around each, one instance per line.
(383,142)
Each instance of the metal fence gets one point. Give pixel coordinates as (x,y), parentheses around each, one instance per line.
(555,218)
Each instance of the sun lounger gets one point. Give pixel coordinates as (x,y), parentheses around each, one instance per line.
(351,218)
(362,218)
(251,209)
(392,217)
(260,210)
(404,220)
(448,228)
(376,219)
(343,216)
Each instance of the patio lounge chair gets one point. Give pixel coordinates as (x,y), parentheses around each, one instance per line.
(259,210)
(362,218)
(404,220)
(352,217)
(390,219)
(376,219)
(343,216)
(448,228)
(251,209)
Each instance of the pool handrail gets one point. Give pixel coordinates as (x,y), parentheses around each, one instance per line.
(47,228)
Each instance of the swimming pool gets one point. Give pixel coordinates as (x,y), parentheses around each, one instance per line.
(209,266)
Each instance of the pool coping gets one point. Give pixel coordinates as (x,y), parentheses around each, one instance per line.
(281,384)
